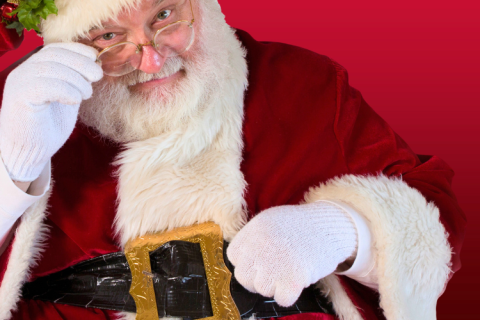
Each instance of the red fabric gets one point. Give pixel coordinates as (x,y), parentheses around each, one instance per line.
(32,309)
(9,39)
(299,131)
(5,73)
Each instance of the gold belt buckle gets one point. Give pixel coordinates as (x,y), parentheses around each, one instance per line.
(209,236)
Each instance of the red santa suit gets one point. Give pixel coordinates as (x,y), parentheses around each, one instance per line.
(299,134)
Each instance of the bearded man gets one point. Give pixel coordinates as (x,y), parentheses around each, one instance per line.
(183,121)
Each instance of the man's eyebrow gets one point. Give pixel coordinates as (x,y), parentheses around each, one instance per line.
(101,27)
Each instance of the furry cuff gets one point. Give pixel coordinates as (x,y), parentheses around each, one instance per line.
(412,251)
(26,251)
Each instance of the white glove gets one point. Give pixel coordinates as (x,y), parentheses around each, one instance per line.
(40,105)
(285,249)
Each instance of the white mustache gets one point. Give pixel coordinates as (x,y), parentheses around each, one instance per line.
(171,66)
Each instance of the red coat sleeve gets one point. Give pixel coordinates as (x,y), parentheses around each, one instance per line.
(369,144)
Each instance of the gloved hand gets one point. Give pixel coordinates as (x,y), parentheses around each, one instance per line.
(40,105)
(285,249)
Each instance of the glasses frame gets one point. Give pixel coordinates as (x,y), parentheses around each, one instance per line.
(151,42)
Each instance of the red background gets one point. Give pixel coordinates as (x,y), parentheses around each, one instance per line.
(417,63)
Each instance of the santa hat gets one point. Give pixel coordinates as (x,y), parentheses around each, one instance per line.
(76,17)
(73,20)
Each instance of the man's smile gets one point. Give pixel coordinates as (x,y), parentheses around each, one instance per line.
(148,85)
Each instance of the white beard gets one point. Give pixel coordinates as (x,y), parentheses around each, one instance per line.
(124,116)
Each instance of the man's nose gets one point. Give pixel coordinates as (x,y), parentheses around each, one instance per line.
(152,61)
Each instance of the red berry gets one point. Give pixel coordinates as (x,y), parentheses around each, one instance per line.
(6,9)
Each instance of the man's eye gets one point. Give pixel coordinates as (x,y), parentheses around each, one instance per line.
(108,36)
(162,15)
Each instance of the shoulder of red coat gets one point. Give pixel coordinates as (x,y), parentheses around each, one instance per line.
(280,63)
(288,85)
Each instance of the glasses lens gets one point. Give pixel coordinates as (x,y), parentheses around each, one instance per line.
(120,59)
(174,39)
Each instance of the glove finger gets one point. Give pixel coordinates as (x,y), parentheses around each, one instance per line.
(245,274)
(82,64)
(264,284)
(235,249)
(240,245)
(232,255)
(54,70)
(47,90)
(287,294)
(77,47)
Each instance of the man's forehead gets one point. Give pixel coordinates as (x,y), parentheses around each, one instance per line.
(142,4)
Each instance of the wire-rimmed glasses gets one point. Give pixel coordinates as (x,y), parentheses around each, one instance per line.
(170,40)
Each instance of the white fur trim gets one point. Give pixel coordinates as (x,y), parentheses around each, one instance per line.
(413,253)
(26,252)
(332,289)
(76,17)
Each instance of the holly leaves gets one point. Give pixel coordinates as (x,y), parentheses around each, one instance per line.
(17,26)
(29,13)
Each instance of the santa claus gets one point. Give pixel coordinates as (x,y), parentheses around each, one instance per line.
(140,117)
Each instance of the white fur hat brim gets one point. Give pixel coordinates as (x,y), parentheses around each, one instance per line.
(76,17)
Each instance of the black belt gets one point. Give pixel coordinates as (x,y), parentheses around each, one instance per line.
(179,281)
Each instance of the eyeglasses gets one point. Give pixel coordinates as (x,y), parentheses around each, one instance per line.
(169,40)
